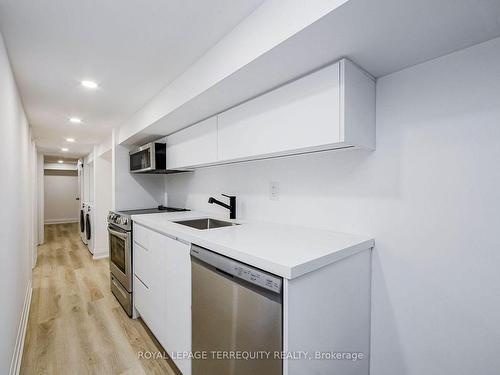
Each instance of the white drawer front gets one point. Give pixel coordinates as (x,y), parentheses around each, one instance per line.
(141,236)
(142,264)
(142,300)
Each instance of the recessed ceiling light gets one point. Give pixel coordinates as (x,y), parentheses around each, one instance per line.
(70,139)
(75,120)
(89,84)
(64,149)
(60,161)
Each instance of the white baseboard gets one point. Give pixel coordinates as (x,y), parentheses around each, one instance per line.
(100,253)
(61,221)
(15,364)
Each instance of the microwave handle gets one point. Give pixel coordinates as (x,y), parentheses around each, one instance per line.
(150,145)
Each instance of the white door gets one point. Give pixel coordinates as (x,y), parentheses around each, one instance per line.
(60,198)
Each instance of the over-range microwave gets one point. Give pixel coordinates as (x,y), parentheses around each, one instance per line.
(150,158)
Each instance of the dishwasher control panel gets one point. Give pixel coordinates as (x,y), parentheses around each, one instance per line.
(257,277)
(237,269)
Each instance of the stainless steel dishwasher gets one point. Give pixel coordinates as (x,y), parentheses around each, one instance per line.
(236,317)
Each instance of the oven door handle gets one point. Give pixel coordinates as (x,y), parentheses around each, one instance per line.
(118,234)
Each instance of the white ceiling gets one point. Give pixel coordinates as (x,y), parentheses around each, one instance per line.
(131,48)
(382,36)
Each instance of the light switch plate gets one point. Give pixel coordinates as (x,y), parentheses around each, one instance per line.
(274,190)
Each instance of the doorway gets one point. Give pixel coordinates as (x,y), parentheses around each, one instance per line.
(61,190)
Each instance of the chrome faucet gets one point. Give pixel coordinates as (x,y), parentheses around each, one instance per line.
(231,206)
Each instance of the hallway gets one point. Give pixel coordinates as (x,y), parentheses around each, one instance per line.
(75,325)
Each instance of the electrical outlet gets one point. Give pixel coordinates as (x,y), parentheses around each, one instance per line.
(274,190)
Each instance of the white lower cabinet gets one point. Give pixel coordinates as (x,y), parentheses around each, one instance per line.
(164,299)
(141,297)
(177,338)
(317,319)
(326,314)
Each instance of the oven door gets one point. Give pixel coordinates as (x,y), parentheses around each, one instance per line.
(120,250)
(143,159)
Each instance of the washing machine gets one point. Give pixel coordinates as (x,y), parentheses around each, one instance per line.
(83,214)
(89,228)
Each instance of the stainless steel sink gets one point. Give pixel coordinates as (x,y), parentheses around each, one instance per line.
(207,223)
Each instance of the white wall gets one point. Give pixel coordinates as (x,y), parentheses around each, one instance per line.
(33,176)
(60,193)
(132,190)
(16,214)
(102,201)
(88,181)
(105,146)
(429,195)
(40,183)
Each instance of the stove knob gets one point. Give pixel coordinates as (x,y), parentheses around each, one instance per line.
(124,221)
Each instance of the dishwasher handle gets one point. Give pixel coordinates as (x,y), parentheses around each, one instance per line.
(232,268)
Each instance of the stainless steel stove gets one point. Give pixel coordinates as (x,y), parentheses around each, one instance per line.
(122,219)
(120,250)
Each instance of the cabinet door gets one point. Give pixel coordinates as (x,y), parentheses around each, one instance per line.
(178,292)
(193,146)
(297,117)
(157,280)
(149,278)
(162,291)
(142,303)
(141,235)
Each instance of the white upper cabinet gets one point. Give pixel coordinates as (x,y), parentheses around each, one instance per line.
(299,115)
(193,146)
(331,108)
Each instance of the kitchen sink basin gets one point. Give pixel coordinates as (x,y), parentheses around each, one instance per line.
(207,223)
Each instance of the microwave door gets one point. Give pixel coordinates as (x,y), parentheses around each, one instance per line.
(143,159)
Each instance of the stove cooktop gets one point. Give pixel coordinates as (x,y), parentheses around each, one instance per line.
(151,210)
(122,219)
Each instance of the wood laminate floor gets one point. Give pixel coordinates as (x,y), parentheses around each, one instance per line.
(75,325)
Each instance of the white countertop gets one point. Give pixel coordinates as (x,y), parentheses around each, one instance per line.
(285,250)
